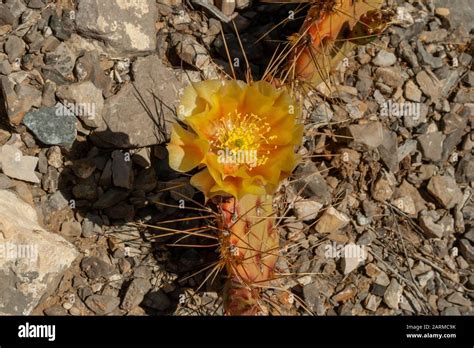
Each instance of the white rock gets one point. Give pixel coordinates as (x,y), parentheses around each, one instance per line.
(17,166)
(32,259)
(331,221)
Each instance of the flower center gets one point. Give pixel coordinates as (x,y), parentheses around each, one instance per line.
(243,135)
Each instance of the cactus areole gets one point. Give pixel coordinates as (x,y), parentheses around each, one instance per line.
(242,138)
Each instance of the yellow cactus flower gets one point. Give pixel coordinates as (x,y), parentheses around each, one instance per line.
(242,136)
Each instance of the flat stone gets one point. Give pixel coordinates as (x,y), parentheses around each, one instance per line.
(432,145)
(430,86)
(110,198)
(157,300)
(128,125)
(52,127)
(388,150)
(71,229)
(331,221)
(127,27)
(25,276)
(445,190)
(6,16)
(60,64)
(369,134)
(87,102)
(391,76)
(430,227)
(122,169)
(412,92)
(15,48)
(384,58)
(135,293)
(393,294)
(96,268)
(464,96)
(307,209)
(382,190)
(102,304)
(467,250)
(17,166)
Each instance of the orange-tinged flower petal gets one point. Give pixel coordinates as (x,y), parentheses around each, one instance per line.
(197,97)
(203,181)
(186,150)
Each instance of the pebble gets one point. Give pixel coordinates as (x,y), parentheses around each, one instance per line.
(384,58)
(429,85)
(52,128)
(432,145)
(122,172)
(369,134)
(445,190)
(393,294)
(412,92)
(307,209)
(331,221)
(135,293)
(102,304)
(17,166)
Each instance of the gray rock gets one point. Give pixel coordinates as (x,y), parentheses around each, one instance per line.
(393,294)
(52,127)
(102,304)
(71,229)
(63,26)
(412,92)
(429,85)
(110,198)
(87,102)
(445,190)
(388,150)
(5,182)
(96,268)
(17,166)
(427,58)
(25,275)
(467,250)
(384,58)
(430,227)
(461,11)
(458,299)
(465,96)
(432,145)
(307,209)
(135,293)
(49,91)
(5,67)
(127,28)
(15,48)
(88,68)
(122,169)
(91,226)
(6,16)
(128,124)
(370,134)
(60,64)
(392,76)
(157,300)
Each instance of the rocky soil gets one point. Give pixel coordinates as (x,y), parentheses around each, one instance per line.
(377,220)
